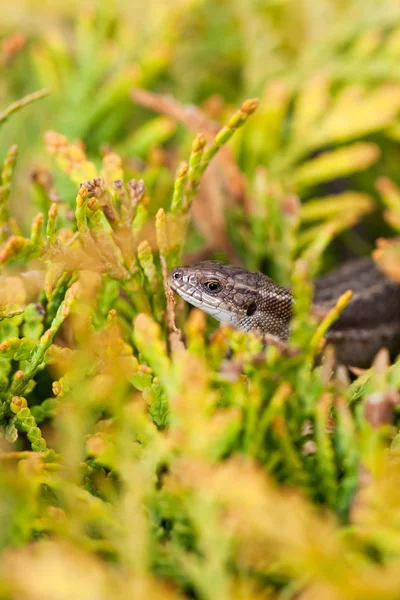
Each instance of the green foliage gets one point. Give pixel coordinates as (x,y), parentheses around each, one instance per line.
(141,456)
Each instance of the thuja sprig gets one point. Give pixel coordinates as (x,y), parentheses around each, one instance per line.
(96,235)
(179,188)
(55,294)
(172,227)
(131,200)
(16,106)
(51,228)
(37,355)
(148,340)
(46,410)
(5,187)
(71,158)
(80,210)
(325,456)
(223,136)
(201,156)
(302,292)
(347,451)
(108,222)
(9,314)
(329,319)
(11,431)
(171,233)
(196,169)
(18,247)
(16,348)
(146,261)
(25,422)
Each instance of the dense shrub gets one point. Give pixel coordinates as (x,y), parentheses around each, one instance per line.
(145,452)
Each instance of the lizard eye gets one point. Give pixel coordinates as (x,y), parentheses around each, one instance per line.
(251,309)
(213,286)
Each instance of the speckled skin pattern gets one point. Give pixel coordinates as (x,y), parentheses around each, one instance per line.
(253,302)
(238,294)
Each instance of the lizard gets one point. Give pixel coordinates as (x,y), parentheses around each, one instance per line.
(253,302)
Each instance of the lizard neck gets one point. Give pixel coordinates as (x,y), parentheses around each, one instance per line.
(270,311)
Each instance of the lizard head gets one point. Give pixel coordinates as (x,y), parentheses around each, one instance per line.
(232,295)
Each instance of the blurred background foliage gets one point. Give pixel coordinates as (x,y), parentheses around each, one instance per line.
(137,459)
(327,76)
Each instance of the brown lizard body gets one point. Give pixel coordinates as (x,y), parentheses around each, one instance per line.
(254,302)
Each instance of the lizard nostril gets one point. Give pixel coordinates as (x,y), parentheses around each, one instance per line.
(177,275)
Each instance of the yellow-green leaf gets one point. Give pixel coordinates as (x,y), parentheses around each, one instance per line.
(337,163)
